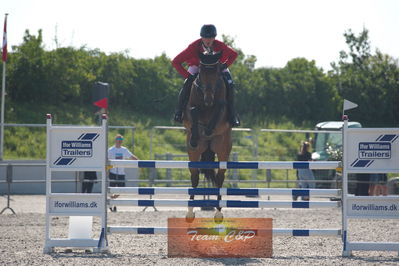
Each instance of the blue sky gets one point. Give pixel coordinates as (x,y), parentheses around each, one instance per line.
(274,31)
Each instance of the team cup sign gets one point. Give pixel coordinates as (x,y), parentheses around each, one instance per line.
(233,238)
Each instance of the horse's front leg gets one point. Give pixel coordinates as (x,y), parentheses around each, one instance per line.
(194,182)
(219,183)
(194,112)
(193,155)
(215,118)
(222,145)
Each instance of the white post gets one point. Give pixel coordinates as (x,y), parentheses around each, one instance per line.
(104,187)
(48,184)
(345,252)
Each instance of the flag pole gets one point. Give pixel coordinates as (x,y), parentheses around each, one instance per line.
(3,88)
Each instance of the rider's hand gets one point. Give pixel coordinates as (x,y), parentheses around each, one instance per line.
(191,77)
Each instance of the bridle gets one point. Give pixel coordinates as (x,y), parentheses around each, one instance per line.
(209,89)
(199,85)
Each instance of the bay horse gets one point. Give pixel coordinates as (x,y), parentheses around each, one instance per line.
(208,131)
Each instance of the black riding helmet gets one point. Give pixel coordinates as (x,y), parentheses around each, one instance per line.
(208,31)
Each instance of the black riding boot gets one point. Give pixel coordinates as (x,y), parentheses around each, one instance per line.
(234,119)
(184,95)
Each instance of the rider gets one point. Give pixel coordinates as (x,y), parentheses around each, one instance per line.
(190,56)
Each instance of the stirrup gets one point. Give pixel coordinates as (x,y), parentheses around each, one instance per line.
(235,121)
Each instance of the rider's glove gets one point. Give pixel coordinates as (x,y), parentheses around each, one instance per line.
(191,77)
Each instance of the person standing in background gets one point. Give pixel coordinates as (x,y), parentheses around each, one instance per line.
(305,176)
(117,174)
(378,185)
(88,181)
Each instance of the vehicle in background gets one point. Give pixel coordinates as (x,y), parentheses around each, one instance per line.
(327,146)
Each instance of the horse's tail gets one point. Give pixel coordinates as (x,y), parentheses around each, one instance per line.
(208,156)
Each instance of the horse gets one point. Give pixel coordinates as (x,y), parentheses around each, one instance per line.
(208,131)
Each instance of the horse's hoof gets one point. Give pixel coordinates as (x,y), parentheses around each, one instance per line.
(193,144)
(190,217)
(218,217)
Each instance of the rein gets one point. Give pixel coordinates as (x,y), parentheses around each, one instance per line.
(207,65)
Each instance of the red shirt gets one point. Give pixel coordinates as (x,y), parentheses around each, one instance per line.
(191,57)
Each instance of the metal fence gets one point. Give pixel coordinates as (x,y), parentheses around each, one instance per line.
(246,148)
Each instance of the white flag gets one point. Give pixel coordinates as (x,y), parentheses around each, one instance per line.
(349,105)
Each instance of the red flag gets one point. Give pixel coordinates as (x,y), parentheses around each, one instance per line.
(5,40)
(103,103)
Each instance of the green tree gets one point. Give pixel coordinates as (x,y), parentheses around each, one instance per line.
(62,80)
(368,79)
(26,72)
(307,92)
(69,76)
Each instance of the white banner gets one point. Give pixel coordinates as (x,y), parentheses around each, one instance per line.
(77,147)
(373,207)
(76,204)
(372,150)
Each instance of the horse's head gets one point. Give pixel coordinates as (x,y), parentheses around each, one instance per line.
(209,79)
